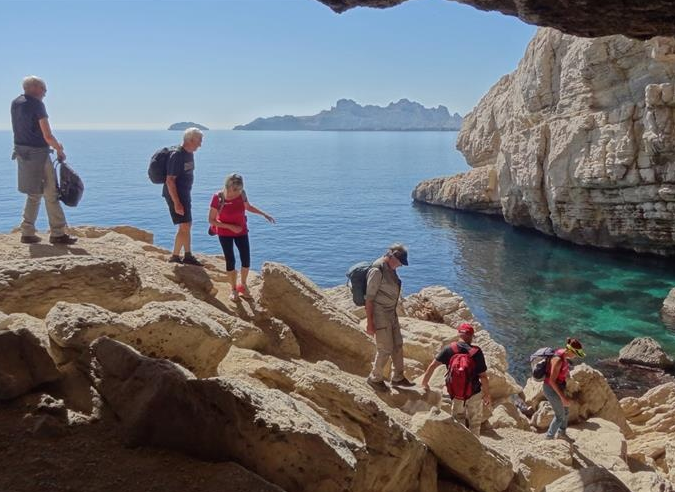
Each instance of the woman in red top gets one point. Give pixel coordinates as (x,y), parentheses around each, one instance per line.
(227,216)
(554,386)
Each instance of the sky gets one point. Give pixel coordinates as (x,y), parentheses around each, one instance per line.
(144,64)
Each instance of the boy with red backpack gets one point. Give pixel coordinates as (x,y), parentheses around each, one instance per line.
(466,379)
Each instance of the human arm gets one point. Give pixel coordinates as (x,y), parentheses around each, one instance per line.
(213,220)
(49,137)
(485,388)
(429,372)
(254,210)
(173,193)
(556,363)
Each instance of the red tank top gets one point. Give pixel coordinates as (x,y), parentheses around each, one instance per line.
(564,368)
(231,212)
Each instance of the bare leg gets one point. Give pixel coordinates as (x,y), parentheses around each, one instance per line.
(182,240)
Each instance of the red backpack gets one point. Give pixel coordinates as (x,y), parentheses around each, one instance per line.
(461,372)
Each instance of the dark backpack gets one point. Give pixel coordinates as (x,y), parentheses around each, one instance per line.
(357,279)
(461,372)
(69,185)
(539,362)
(158,162)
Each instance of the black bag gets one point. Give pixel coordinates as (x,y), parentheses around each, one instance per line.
(539,362)
(357,276)
(158,162)
(68,184)
(221,203)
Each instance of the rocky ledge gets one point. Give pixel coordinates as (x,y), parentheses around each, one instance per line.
(637,18)
(578,142)
(108,335)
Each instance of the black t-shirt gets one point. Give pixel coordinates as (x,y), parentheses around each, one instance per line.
(27,111)
(446,354)
(181,164)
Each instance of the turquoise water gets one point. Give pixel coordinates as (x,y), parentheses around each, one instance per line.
(340,198)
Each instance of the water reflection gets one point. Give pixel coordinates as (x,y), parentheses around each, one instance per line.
(531,290)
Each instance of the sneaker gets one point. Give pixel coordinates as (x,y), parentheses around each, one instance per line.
(548,438)
(30,239)
(234,297)
(565,436)
(63,239)
(188,259)
(242,290)
(175,259)
(404,383)
(377,385)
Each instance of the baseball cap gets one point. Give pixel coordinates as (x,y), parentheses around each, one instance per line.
(465,328)
(402,256)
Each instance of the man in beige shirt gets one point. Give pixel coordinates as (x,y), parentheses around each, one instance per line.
(382,294)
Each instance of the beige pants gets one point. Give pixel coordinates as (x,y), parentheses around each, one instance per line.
(57,219)
(389,344)
(469,412)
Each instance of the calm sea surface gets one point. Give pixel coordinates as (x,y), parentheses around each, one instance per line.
(340,198)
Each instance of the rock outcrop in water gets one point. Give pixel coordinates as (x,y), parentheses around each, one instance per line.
(668,310)
(581,138)
(347,115)
(277,384)
(640,19)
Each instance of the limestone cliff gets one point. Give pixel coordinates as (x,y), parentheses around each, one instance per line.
(582,140)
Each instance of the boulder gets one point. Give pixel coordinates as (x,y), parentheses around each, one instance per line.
(506,415)
(114,284)
(458,450)
(280,438)
(25,362)
(645,352)
(600,442)
(323,330)
(440,305)
(93,232)
(374,420)
(645,481)
(475,190)
(195,336)
(591,479)
(668,310)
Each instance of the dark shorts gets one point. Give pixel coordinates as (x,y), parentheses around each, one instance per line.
(180,219)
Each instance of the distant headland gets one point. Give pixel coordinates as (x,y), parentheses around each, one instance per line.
(184,125)
(348,115)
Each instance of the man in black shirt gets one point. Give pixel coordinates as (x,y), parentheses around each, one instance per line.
(469,411)
(37,178)
(177,192)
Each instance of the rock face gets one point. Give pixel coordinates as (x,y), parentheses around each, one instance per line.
(475,191)
(645,352)
(592,479)
(668,310)
(324,331)
(582,140)
(24,360)
(641,20)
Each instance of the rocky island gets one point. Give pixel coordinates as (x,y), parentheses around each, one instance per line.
(347,115)
(578,142)
(142,374)
(184,125)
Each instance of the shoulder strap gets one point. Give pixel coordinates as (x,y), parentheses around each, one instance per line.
(221,201)
(473,351)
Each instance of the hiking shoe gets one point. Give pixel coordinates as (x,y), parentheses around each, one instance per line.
(377,385)
(403,383)
(175,259)
(30,239)
(565,436)
(63,239)
(188,259)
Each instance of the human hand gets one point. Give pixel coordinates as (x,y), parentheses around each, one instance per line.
(60,155)
(270,219)
(425,387)
(180,210)
(487,400)
(235,228)
(565,402)
(370,328)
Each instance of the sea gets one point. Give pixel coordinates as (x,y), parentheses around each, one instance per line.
(342,197)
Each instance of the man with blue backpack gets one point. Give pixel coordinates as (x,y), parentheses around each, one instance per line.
(382,292)
(466,378)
